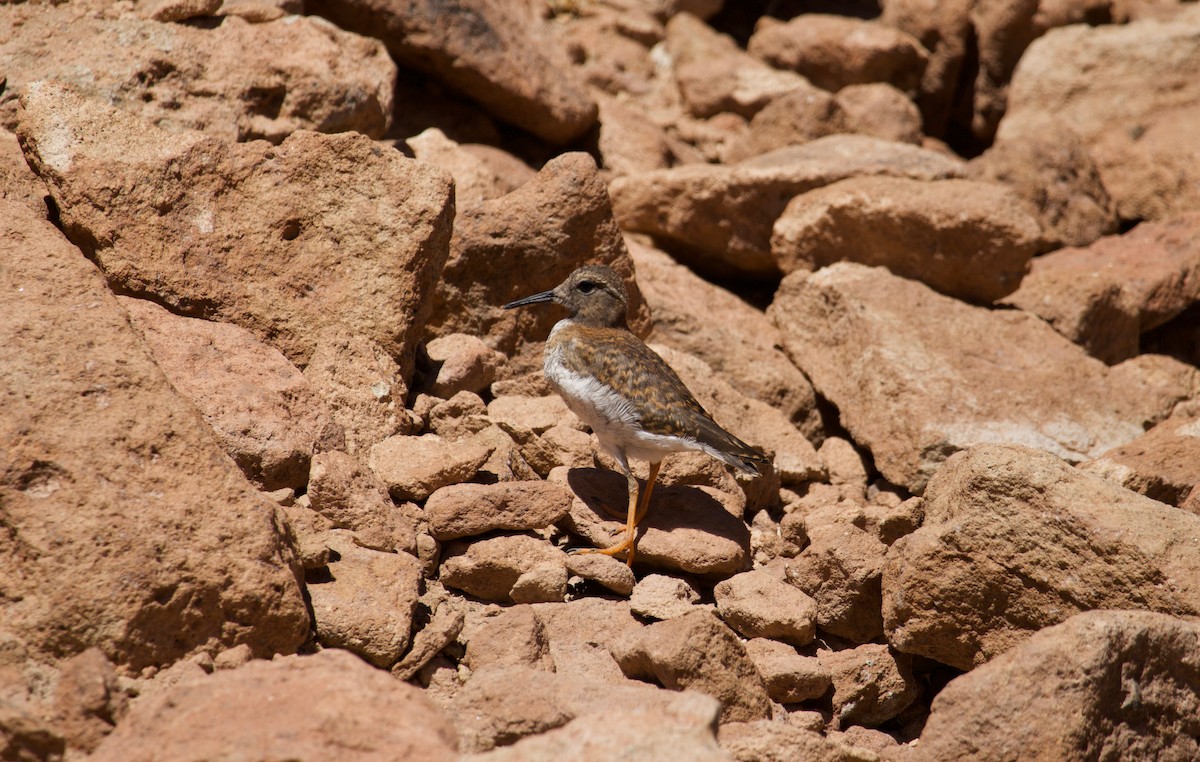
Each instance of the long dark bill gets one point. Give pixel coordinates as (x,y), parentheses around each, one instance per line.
(545,296)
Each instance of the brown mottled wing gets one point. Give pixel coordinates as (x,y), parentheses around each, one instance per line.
(663,402)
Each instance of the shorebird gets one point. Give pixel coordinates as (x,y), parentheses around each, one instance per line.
(632,400)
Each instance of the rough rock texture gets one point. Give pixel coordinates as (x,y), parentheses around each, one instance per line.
(1105,296)
(493,568)
(658,596)
(759,604)
(788,676)
(480,172)
(764,741)
(719,217)
(487,50)
(967,239)
(1163,463)
(299,707)
(234,81)
(259,404)
(698,652)
(286,241)
(1103,684)
(525,242)
(944,29)
(413,468)
(463,510)
(835,51)
(1129,93)
(871,684)
(349,496)
(952,375)
(127,526)
(461,363)
(1019,541)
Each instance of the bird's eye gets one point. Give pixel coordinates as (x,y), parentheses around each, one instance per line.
(586,287)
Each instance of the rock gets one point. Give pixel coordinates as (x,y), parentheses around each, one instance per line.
(368,602)
(582,632)
(481,173)
(737,341)
(260,11)
(768,741)
(490,568)
(719,218)
(835,51)
(657,596)
(1053,171)
(1002,34)
(841,569)
(1127,91)
(789,677)
(690,529)
(544,582)
(298,707)
(1163,463)
(944,29)
(24,736)
(1105,296)
(528,241)
(464,510)
(715,75)
(880,110)
(18,183)
(443,628)
(698,652)
(128,528)
(491,52)
(461,363)
(604,570)
(259,404)
(803,113)
(844,463)
(628,143)
(507,462)
(759,604)
(363,387)
(346,493)
(889,363)
(513,637)
(490,712)
(277,239)
(88,700)
(965,239)
(1122,681)
(532,414)
(413,468)
(871,684)
(1006,523)
(234,80)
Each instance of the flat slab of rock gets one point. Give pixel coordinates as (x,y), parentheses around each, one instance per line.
(917,376)
(760,604)
(464,510)
(1163,463)
(1126,682)
(1006,523)
(657,596)
(967,239)
(495,53)
(1129,92)
(320,232)
(720,217)
(129,528)
(413,468)
(259,404)
(298,707)
(1105,296)
(235,81)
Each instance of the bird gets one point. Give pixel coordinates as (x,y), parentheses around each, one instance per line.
(634,403)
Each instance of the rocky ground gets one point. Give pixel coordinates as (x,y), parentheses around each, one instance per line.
(280,480)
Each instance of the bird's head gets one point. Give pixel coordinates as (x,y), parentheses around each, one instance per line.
(592,295)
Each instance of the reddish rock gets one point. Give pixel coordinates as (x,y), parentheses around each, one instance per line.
(491,568)
(966,239)
(463,510)
(524,242)
(944,29)
(235,81)
(1053,171)
(871,683)
(461,363)
(346,493)
(259,404)
(697,652)
(1119,683)
(606,571)
(299,707)
(1128,91)
(1019,541)
(413,468)
(492,52)
(657,596)
(789,677)
(18,183)
(836,51)
(715,75)
(480,172)
(880,110)
(719,218)
(281,240)
(1163,463)
(88,700)
(513,636)
(129,529)
(759,604)
(917,376)
(1105,296)
(532,414)
(582,632)
(366,605)
(1003,31)
(769,741)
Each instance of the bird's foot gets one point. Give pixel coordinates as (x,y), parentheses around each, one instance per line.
(625,546)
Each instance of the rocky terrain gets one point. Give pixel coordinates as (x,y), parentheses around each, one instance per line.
(279,479)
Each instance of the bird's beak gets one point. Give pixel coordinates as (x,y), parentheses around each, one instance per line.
(545,296)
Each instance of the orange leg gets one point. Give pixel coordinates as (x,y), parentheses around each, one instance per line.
(636,512)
